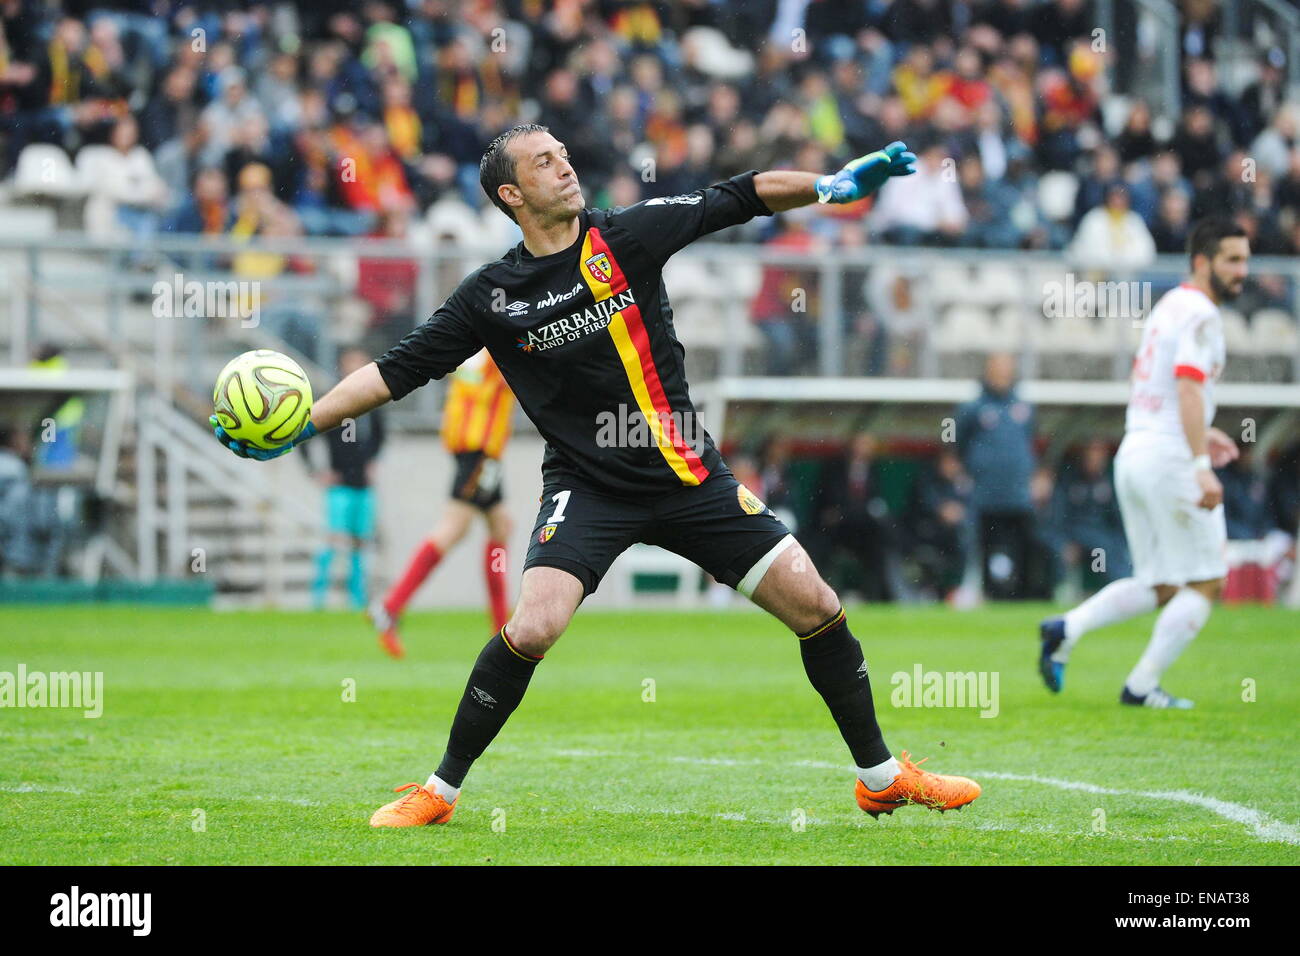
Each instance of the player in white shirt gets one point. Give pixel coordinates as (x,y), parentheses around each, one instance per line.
(1170,499)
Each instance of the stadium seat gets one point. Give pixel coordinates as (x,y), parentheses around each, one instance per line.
(27,222)
(950,282)
(1056,192)
(1274,332)
(1236,333)
(994,285)
(1080,335)
(45,170)
(686,277)
(746,277)
(963,328)
(452,217)
(1010,327)
(90,165)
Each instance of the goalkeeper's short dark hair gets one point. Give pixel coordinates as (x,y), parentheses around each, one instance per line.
(497,168)
(1207,233)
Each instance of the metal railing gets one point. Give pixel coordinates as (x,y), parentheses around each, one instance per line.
(736,309)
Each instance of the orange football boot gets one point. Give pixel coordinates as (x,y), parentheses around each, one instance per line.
(418,808)
(914,785)
(386,626)
(391,643)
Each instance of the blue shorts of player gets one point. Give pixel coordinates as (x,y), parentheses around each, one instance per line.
(351,511)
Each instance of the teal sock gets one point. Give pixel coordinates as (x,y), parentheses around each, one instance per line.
(357,578)
(324,558)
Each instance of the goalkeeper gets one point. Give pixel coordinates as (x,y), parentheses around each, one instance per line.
(578,321)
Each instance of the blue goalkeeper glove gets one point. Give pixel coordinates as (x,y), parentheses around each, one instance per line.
(862,177)
(244,450)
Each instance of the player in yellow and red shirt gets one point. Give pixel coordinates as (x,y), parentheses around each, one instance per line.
(475,428)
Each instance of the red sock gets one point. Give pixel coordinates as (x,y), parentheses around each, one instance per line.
(424,560)
(494,569)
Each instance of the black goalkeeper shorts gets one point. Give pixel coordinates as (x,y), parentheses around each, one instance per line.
(719,525)
(478,480)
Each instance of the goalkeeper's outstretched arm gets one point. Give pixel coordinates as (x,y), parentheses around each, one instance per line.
(362,391)
(786,189)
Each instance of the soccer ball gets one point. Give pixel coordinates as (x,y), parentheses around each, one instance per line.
(263,398)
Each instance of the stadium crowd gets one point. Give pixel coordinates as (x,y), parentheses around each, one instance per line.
(369,119)
(336,118)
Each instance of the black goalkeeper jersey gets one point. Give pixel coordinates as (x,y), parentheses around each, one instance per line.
(585,339)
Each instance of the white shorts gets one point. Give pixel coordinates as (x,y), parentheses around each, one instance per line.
(1170,539)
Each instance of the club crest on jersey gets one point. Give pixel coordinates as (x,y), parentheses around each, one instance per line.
(598,266)
(749,502)
(546,534)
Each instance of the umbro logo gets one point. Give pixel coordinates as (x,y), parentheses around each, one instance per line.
(483,697)
(517,308)
(862,671)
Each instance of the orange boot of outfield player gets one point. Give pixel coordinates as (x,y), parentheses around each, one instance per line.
(914,785)
(419,807)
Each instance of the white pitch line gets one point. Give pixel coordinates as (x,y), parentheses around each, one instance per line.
(1263,826)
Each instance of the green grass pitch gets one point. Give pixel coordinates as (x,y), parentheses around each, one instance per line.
(225,738)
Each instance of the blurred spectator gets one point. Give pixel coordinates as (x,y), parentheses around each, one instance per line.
(1135,140)
(989,205)
(1164,173)
(1284,510)
(939,524)
(17,550)
(995,441)
(1201,88)
(1113,236)
(1284,490)
(1054,23)
(1197,144)
(208,210)
(924,208)
(894,301)
(1086,516)
(59,452)
(1273,147)
(1245,499)
(31,534)
(1261,99)
(775,479)
(1071,106)
(350,498)
(853,517)
(788,297)
(223,117)
(1103,171)
(127,194)
(387,283)
(1173,222)
(171,110)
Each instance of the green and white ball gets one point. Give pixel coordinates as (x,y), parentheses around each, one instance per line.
(262,397)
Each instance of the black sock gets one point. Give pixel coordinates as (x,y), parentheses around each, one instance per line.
(495,688)
(832,658)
